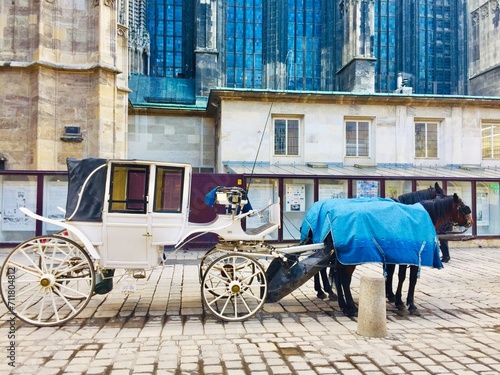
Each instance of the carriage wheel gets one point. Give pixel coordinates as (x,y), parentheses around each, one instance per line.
(47,280)
(234,287)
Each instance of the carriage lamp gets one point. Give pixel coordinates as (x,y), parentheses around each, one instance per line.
(2,163)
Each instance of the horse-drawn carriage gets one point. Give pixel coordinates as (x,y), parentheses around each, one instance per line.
(120,214)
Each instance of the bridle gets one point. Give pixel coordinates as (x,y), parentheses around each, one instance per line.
(463,210)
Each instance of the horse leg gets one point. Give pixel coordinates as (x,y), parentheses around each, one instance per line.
(411,291)
(350,308)
(401,279)
(337,275)
(326,284)
(317,287)
(388,282)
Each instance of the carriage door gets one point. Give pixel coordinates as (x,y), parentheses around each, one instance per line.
(126,224)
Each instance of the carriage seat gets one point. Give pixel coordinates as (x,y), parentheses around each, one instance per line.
(267,228)
(263,228)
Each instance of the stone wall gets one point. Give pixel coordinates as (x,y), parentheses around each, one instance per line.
(61,64)
(184,139)
(484,43)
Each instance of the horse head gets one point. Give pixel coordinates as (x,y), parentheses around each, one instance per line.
(447,212)
(463,214)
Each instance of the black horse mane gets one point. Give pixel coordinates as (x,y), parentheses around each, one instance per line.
(417,196)
(437,208)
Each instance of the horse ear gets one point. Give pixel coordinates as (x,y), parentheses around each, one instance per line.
(438,189)
(455,197)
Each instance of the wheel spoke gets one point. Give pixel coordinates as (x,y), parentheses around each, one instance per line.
(71,289)
(54,306)
(31,271)
(31,261)
(28,302)
(245,304)
(68,303)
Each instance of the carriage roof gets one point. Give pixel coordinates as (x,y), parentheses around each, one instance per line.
(92,200)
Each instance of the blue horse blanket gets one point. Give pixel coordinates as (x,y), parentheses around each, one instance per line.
(374,230)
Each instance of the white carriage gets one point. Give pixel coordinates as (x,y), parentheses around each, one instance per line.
(120,214)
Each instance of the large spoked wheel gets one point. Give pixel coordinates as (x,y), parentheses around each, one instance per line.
(234,287)
(47,280)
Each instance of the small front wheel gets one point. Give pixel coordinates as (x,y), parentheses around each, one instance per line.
(47,280)
(234,287)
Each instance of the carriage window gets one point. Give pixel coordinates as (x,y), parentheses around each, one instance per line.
(357,138)
(129,186)
(426,140)
(490,135)
(168,189)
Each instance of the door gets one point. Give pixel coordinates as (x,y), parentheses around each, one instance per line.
(126,224)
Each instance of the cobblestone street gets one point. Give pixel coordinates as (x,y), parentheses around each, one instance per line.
(163,329)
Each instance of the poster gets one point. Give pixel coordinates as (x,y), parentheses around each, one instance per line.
(17,194)
(331,191)
(367,189)
(295,197)
(260,196)
(482,208)
(56,199)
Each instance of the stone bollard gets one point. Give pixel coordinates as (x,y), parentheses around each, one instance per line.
(372,311)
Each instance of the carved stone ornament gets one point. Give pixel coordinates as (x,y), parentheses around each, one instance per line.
(495,5)
(475,17)
(122,31)
(109,3)
(484,11)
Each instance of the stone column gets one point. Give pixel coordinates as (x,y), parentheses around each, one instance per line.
(372,312)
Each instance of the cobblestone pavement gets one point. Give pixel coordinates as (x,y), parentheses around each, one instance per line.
(163,329)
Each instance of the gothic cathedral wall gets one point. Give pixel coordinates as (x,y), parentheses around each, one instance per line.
(62,64)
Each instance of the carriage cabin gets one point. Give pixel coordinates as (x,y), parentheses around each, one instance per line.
(128,208)
(125,211)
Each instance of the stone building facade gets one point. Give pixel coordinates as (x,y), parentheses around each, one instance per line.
(63,82)
(484,44)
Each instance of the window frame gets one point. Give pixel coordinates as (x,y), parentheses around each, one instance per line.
(357,145)
(289,144)
(159,193)
(490,139)
(121,189)
(426,140)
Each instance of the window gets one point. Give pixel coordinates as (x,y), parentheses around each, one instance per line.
(357,138)
(129,186)
(490,136)
(286,137)
(168,189)
(426,142)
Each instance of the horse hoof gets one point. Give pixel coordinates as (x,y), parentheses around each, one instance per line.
(400,306)
(332,297)
(321,295)
(350,312)
(391,298)
(414,311)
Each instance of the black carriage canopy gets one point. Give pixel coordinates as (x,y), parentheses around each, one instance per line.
(92,200)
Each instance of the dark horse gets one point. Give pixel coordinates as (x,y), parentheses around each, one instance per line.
(409,198)
(444,212)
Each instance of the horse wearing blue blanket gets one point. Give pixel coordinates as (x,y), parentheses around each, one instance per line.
(380,230)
